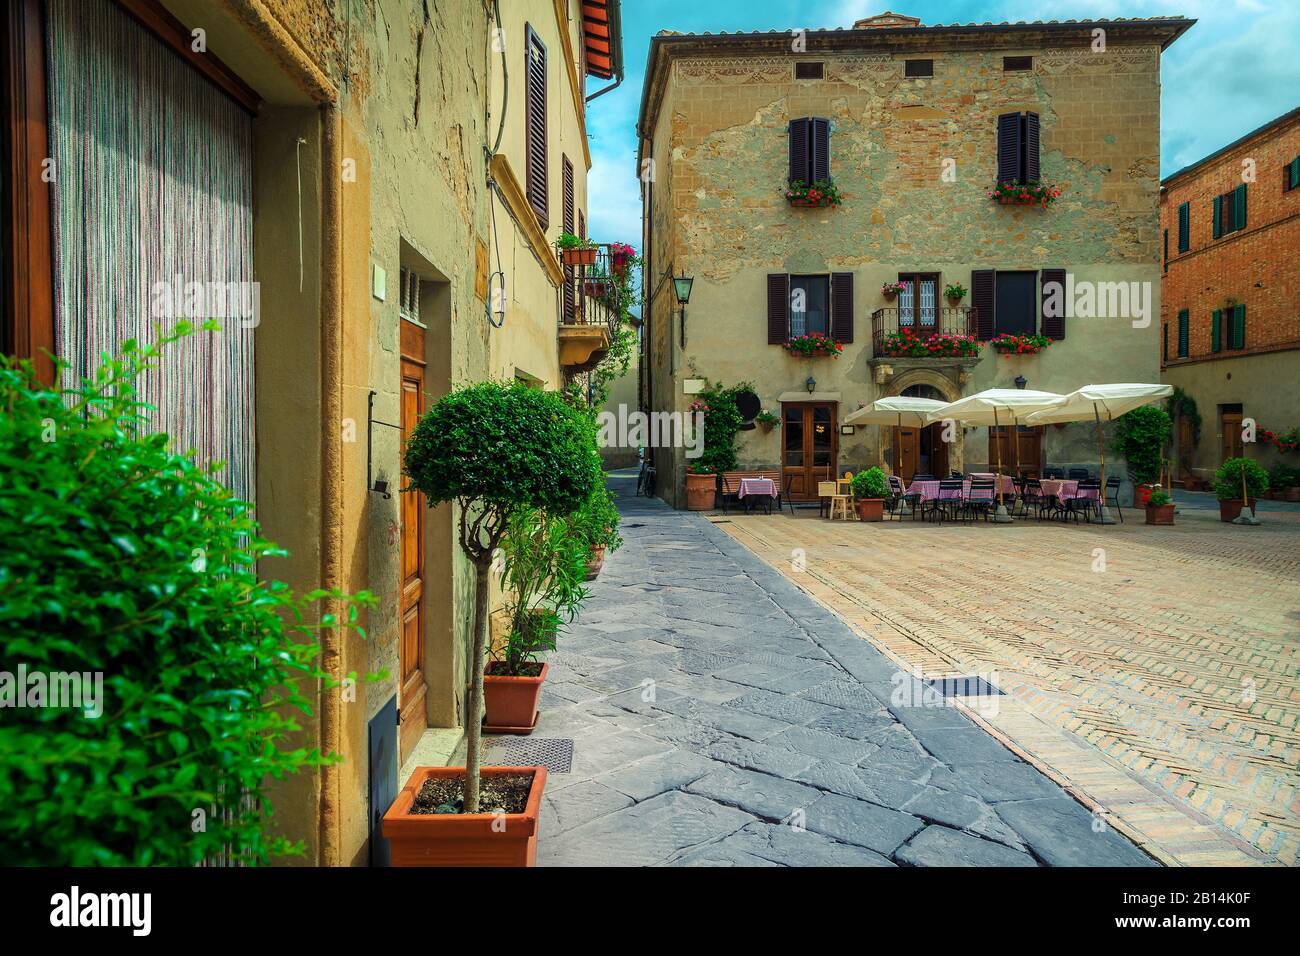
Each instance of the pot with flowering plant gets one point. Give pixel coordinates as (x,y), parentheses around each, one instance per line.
(1160,508)
(1009,344)
(1025,194)
(766,420)
(814,344)
(906,343)
(621,256)
(575,250)
(954,293)
(819,193)
(891,290)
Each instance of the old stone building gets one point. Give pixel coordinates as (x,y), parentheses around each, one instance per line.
(387,180)
(914,125)
(1230,327)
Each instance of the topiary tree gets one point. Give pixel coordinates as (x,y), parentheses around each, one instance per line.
(129,579)
(493,448)
(1140,436)
(870,483)
(1228,479)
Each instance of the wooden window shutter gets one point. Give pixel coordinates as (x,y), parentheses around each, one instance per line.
(842,306)
(1218,216)
(1009,152)
(1239,208)
(1052,326)
(778,308)
(535,175)
(1182,334)
(1184,227)
(799,149)
(819,141)
(1166,258)
(1293,173)
(1239,327)
(570,290)
(981,296)
(1031,147)
(1216,319)
(1164,347)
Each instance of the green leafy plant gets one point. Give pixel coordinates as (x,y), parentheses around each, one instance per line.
(124,559)
(545,564)
(1227,480)
(954,291)
(1159,499)
(1282,477)
(1140,437)
(1182,405)
(595,524)
(821,192)
(813,344)
(1008,344)
(767,419)
(721,423)
(568,240)
(871,483)
(1026,194)
(905,342)
(493,448)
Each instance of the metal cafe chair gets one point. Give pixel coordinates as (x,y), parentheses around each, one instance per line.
(899,498)
(1079,474)
(1112,496)
(1083,502)
(981,498)
(949,501)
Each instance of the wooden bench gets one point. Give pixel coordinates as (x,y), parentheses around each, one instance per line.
(729,486)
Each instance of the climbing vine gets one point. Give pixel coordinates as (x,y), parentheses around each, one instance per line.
(1182,405)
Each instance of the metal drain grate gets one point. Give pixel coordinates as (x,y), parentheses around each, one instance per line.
(553,753)
(964,687)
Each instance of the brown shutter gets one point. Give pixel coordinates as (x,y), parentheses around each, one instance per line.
(535,177)
(1031,147)
(1052,326)
(778,308)
(819,138)
(570,290)
(981,296)
(1009,170)
(842,306)
(799,150)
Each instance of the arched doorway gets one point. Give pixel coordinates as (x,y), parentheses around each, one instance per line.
(935,449)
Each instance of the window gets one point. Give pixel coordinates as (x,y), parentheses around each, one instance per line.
(809,70)
(1166,259)
(1164,342)
(809,305)
(1184,227)
(1018,148)
(1291,177)
(408,296)
(1182,334)
(1230,211)
(570,289)
(918,300)
(918,67)
(1216,330)
(535,141)
(810,149)
(1014,307)
(1017,64)
(1237,329)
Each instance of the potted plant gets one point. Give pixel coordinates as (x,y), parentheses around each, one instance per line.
(1009,344)
(1160,508)
(907,343)
(595,525)
(890,290)
(767,421)
(813,344)
(575,250)
(1140,438)
(701,486)
(597,284)
(954,293)
(870,488)
(1238,482)
(491,449)
(1025,194)
(820,193)
(621,256)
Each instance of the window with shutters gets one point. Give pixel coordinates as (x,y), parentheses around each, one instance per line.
(1164,342)
(809,305)
(1184,227)
(408,295)
(918,67)
(809,70)
(918,300)
(1216,330)
(1230,211)
(1018,148)
(1237,327)
(1014,308)
(810,149)
(570,288)
(1052,317)
(1182,333)
(1291,175)
(806,304)
(535,139)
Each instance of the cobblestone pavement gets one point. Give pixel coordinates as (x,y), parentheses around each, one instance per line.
(719,716)
(1152,671)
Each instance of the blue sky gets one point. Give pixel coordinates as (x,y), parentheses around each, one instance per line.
(1236,69)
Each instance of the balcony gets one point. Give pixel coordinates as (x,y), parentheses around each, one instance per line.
(591,309)
(922,323)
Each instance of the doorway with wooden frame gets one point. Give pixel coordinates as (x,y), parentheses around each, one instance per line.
(809,447)
(1025,459)
(1230,440)
(921,450)
(412,689)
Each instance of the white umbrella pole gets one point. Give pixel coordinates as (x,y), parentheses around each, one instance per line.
(1103,513)
(1000,516)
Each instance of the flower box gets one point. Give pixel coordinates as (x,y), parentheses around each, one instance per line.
(813,345)
(820,194)
(906,343)
(1008,344)
(1025,194)
(580,256)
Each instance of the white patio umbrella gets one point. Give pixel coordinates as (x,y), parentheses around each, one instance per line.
(1100,403)
(996,407)
(896,410)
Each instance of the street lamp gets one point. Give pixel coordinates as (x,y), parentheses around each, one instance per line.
(682,286)
(810,384)
(1021,381)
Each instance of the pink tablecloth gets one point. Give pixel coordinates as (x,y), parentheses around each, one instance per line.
(930,489)
(1059,486)
(757,486)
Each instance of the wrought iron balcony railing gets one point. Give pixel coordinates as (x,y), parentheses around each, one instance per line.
(594,287)
(922,322)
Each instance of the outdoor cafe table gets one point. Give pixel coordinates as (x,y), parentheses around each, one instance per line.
(1059,487)
(756,488)
(930,489)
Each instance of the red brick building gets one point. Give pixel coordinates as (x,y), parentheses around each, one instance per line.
(1230,295)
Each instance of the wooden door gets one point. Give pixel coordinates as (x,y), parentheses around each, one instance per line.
(809,446)
(411,688)
(1024,459)
(1230,445)
(1184,448)
(937,450)
(907,445)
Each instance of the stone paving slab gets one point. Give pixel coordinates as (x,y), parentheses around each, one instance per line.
(721,717)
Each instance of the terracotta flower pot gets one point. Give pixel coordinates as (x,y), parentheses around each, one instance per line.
(511,702)
(954,302)
(700,492)
(1293,493)
(1231,507)
(578,257)
(871,509)
(1160,514)
(595,562)
(463,839)
(1142,494)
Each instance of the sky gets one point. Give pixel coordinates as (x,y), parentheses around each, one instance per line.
(1234,70)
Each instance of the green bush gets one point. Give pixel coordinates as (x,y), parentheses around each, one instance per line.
(1159,499)
(596,522)
(1282,476)
(870,484)
(721,423)
(123,559)
(1140,437)
(1227,480)
(494,448)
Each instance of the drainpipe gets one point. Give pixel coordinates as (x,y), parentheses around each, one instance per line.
(331,526)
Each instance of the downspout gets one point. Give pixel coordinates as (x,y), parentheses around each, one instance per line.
(331,527)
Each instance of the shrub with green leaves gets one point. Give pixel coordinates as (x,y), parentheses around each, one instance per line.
(721,423)
(870,484)
(121,558)
(1140,437)
(493,448)
(595,524)
(1159,499)
(1227,480)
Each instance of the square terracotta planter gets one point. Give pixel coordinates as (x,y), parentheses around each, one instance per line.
(510,703)
(463,839)
(595,562)
(578,257)
(1160,514)
(1230,508)
(871,509)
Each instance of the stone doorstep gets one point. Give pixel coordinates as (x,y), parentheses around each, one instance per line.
(437,747)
